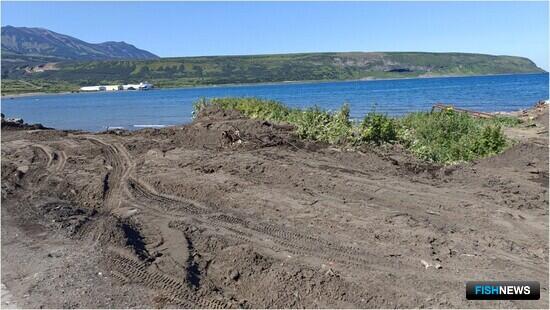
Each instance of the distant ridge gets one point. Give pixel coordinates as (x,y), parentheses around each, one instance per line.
(34,45)
(36,59)
(181,71)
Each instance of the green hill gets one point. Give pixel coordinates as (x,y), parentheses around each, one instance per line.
(191,71)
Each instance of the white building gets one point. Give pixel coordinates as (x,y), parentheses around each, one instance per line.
(90,88)
(140,86)
(113,87)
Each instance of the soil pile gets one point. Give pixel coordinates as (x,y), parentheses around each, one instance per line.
(234,212)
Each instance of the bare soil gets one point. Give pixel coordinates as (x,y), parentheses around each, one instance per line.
(233,212)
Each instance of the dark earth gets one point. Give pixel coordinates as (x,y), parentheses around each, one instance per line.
(233,212)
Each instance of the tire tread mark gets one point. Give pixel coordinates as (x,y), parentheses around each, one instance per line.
(290,244)
(176,292)
(139,191)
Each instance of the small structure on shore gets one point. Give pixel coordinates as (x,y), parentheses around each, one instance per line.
(140,86)
(93,88)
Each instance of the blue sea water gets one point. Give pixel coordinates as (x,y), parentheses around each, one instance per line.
(133,109)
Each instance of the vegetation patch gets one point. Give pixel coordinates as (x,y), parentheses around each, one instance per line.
(10,87)
(449,136)
(217,70)
(443,136)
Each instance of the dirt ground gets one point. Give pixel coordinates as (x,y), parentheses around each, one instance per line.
(233,212)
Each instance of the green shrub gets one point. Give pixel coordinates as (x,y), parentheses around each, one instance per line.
(317,124)
(339,130)
(312,123)
(377,128)
(251,107)
(492,140)
(445,137)
(450,136)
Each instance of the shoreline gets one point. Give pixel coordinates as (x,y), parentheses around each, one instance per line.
(40,94)
(353,80)
(512,113)
(12,96)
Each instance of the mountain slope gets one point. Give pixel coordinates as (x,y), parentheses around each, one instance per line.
(286,67)
(191,71)
(21,45)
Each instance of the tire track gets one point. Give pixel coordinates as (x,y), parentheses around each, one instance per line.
(50,162)
(141,192)
(121,185)
(120,164)
(61,158)
(302,243)
(286,239)
(38,167)
(287,235)
(47,152)
(176,291)
(291,242)
(56,159)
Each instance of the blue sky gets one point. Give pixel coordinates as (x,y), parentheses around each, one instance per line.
(212,28)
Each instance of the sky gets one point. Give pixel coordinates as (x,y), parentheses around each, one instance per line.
(223,28)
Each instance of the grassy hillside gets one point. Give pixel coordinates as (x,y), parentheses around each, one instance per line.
(190,71)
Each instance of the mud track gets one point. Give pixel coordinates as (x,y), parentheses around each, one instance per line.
(186,217)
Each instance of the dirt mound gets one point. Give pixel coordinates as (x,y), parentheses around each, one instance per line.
(218,130)
(233,212)
(519,156)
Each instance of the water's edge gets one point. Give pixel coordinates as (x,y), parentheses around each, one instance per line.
(33,94)
(97,111)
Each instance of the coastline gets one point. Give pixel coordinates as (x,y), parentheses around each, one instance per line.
(40,94)
(11,96)
(369,79)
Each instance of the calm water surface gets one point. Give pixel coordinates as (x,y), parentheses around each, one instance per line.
(97,111)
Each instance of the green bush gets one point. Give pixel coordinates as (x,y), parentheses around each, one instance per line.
(316,124)
(445,137)
(492,140)
(251,107)
(377,128)
(312,123)
(450,136)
